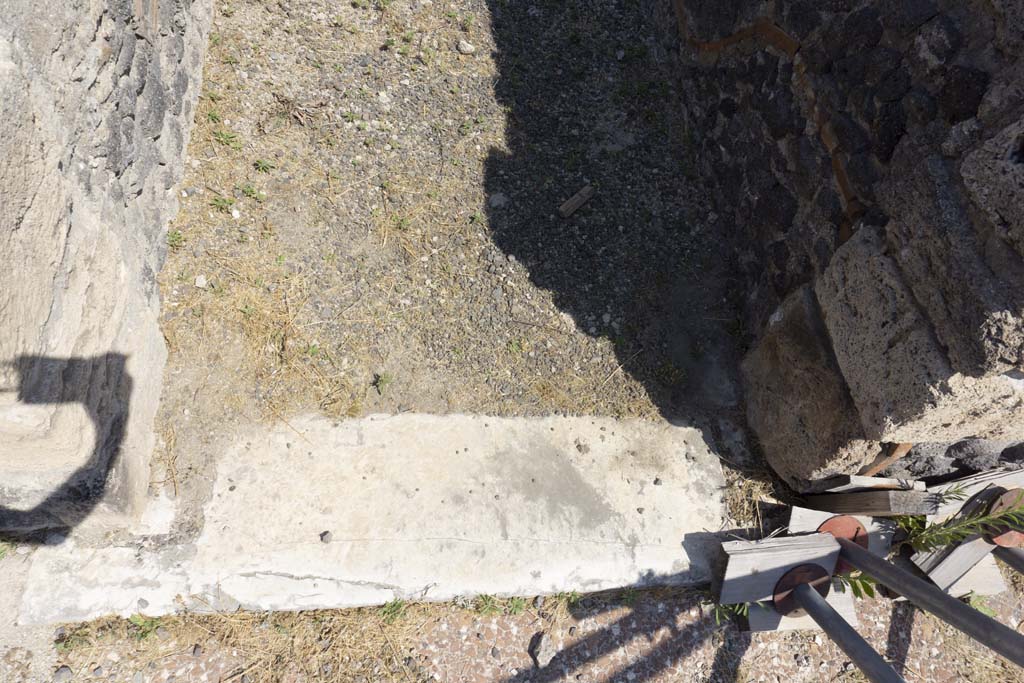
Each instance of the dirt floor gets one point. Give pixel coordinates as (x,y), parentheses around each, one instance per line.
(655,637)
(369,219)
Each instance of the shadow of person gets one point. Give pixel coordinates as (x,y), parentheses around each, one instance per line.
(591,99)
(104,387)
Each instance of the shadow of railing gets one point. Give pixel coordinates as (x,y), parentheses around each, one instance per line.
(104,387)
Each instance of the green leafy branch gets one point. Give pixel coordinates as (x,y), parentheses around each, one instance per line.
(859,583)
(925,537)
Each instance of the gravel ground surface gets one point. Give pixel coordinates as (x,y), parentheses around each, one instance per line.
(369,219)
(656,637)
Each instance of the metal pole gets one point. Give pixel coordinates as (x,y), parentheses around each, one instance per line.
(1013,557)
(986,631)
(848,640)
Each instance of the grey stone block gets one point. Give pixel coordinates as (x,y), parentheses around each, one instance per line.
(994,176)
(900,379)
(97,101)
(968,284)
(797,401)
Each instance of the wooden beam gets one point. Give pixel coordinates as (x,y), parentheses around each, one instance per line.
(883,461)
(875,503)
(972,486)
(880,530)
(849,483)
(576,201)
(983,578)
(754,567)
(763,617)
(946,565)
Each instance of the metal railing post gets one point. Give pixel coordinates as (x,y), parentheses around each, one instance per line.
(1013,557)
(848,640)
(985,630)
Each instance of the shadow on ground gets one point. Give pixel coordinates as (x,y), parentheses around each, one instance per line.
(103,386)
(650,620)
(591,99)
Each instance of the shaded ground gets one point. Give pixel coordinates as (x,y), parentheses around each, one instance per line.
(656,637)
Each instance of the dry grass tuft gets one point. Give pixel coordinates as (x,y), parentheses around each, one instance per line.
(272,647)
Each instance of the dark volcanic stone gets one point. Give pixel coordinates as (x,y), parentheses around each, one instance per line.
(850,70)
(919,107)
(940,38)
(851,135)
(961,93)
(903,16)
(863,173)
(862,30)
(881,61)
(893,85)
(776,210)
(711,19)
(781,114)
(799,18)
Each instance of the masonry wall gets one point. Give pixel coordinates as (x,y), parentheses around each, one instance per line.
(96,102)
(871,153)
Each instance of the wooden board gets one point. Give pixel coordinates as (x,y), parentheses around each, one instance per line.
(576,201)
(972,485)
(880,530)
(886,459)
(945,566)
(874,503)
(763,617)
(754,567)
(849,483)
(983,578)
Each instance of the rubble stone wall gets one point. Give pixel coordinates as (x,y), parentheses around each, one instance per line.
(96,104)
(870,154)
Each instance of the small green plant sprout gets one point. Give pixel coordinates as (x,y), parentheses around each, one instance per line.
(978,602)
(572,598)
(230,60)
(859,583)
(175,240)
(312,350)
(222,204)
(724,613)
(143,627)
(629,596)
(263,166)
(486,605)
(251,193)
(382,381)
(227,138)
(4,549)
(515,606)
(393,611)
(213,96)
(213,116)
(515,346)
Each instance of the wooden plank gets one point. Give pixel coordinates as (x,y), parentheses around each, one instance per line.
(945,566)
(880,530)
(973,485)
(874,503)
(576,201)
(983,578)
(883,461)
(754,567)
(763,617)
(850,483)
